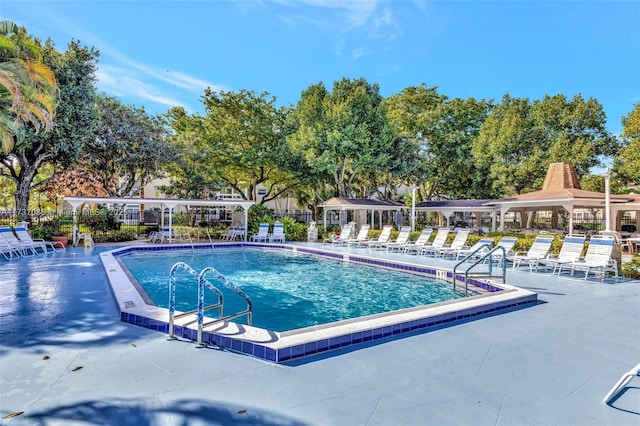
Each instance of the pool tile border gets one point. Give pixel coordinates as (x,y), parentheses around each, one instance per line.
(297,344)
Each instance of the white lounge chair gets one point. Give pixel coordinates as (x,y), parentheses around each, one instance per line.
(361,238)
(262,235)
(622,383)
(507,244)
(418,244)
(7,251)
(24,236)
(400,241)
(438,242)
(538,250)
(235,232)
(9,237)
(458,243)
(383,238)
(345,234)
(278,233)
(597,259)
(570,251)
(466,251)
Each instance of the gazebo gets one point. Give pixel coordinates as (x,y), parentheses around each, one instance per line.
(362,206)
(561,189)
(448,207)
(163,203)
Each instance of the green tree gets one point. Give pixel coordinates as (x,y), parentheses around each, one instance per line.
(442,133)
(73,126)
(627,163)
(189,175)
(129,145)
(519,140)
(342,135)
(28,88)
(448,139)
(240,143)
(592,182)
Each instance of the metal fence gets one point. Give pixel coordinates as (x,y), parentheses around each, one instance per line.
(142,223)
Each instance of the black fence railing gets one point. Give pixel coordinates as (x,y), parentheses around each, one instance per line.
(216,221)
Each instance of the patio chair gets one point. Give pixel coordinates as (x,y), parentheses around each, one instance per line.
(361,238)
(262,235)
(9,237)
(622,383)
(466,251)
(538,250)
(345,234)
(7,251)
(597,259)
(24,236)
(278,233)
(438,242)
(383,238)
(507,244)
(570,251)
(234,233)
(458,243)
(400,241)
(422,240)
(155,236)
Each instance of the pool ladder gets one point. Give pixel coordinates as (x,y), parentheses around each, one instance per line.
(202,284)
(488,256)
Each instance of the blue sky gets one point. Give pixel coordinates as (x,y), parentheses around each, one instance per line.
(158,54)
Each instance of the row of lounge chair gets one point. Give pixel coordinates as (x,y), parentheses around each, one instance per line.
(263,235)
(597,260)
(18,243)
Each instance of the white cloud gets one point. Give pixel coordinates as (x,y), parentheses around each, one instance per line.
(361,23)
(120,82)
(352,13)
(124,77)
(357,53)
(173,78)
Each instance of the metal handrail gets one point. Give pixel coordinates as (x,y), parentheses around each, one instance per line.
(481,259)
(172,295)
(201,308)
(213,247)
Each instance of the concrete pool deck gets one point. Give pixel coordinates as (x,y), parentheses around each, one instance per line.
(65,358)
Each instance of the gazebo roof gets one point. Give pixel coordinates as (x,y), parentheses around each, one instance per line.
(562,189)
(337,203)
(166,202)
(455,205)
(561,176)
(552,197)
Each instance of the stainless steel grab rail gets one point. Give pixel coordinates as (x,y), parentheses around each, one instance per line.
(201,308)
(487,256)
(172,295)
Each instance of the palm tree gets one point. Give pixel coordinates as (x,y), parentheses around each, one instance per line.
(28,87)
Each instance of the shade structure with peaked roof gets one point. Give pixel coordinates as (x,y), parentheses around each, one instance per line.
(448,207)
(359,204)
(561,189)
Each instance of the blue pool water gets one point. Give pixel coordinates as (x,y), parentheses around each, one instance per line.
(288,290)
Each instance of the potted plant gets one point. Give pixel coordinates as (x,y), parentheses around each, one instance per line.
(51,230)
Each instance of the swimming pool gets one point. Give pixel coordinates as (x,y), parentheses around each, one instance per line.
(289,290)
(295,344)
